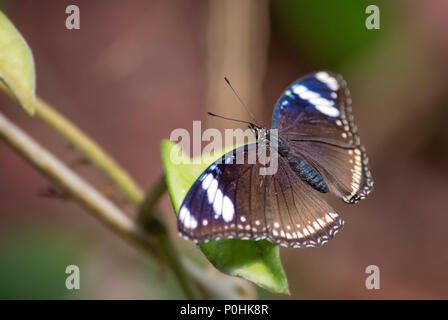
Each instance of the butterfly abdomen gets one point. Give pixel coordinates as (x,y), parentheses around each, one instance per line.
(308,174)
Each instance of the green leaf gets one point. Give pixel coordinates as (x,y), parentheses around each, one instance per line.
(17,65)
(256,261)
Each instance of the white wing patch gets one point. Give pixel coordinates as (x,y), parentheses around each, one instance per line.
(320,103)
(217,204)
(187,219)
(330,81)
(228,210)
(212,190)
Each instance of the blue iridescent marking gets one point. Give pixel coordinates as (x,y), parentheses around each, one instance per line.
(308,94)
(284,105)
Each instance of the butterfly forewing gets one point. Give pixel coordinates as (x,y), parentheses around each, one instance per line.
(223,202)
(317,107)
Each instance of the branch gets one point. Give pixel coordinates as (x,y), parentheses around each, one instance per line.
(103,209)
(147,208)
(93,151)
(86,145)
(100,207)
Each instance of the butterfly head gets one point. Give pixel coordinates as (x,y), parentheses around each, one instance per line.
(261,133)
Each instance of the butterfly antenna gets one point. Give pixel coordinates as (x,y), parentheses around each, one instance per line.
(225,118)
(241,101)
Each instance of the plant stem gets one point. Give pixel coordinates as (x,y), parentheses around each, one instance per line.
(178,267)
(146,211)
(57,172)
(86,145)
(94,201)
(93,151)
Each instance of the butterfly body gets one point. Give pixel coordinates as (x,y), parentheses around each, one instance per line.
(308,174)
(299,165)
(318,152)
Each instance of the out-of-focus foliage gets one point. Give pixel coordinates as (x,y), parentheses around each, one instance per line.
(327,32)
(33,265)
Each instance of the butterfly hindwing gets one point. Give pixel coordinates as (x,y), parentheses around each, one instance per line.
(346,171)
(301,218)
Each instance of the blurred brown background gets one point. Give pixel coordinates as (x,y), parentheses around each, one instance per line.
(136,70)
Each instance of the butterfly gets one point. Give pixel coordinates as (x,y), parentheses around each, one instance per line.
(319,152)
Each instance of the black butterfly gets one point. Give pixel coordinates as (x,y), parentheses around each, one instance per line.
(319,152)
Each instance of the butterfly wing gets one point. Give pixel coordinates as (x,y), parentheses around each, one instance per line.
(345,171)
(301,218)
(226,200)
(231,200)
(317,107)
(314,115)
